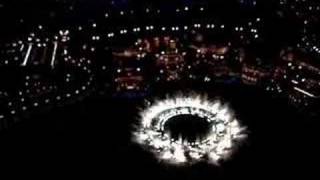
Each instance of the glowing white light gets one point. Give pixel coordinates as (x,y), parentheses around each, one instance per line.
(27,55)
(53,58)
(225,130)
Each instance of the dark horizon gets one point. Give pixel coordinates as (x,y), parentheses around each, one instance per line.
(76,75)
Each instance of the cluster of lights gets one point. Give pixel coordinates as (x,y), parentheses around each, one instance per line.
(301,7)
(316,49)
(291,78)
(246,31)
(251,29)
(309,43)
(26,46)
(38,91)
(225,131)
(215,59)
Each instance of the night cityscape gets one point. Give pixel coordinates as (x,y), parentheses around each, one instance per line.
(179,89)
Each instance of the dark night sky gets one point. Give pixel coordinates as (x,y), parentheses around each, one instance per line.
(92,137)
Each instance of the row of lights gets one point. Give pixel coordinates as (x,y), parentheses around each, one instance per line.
(163,28)
(147,10)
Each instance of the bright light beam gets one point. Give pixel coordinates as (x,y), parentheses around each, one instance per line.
(25,61)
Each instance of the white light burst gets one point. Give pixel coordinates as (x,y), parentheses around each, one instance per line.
(225,130)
